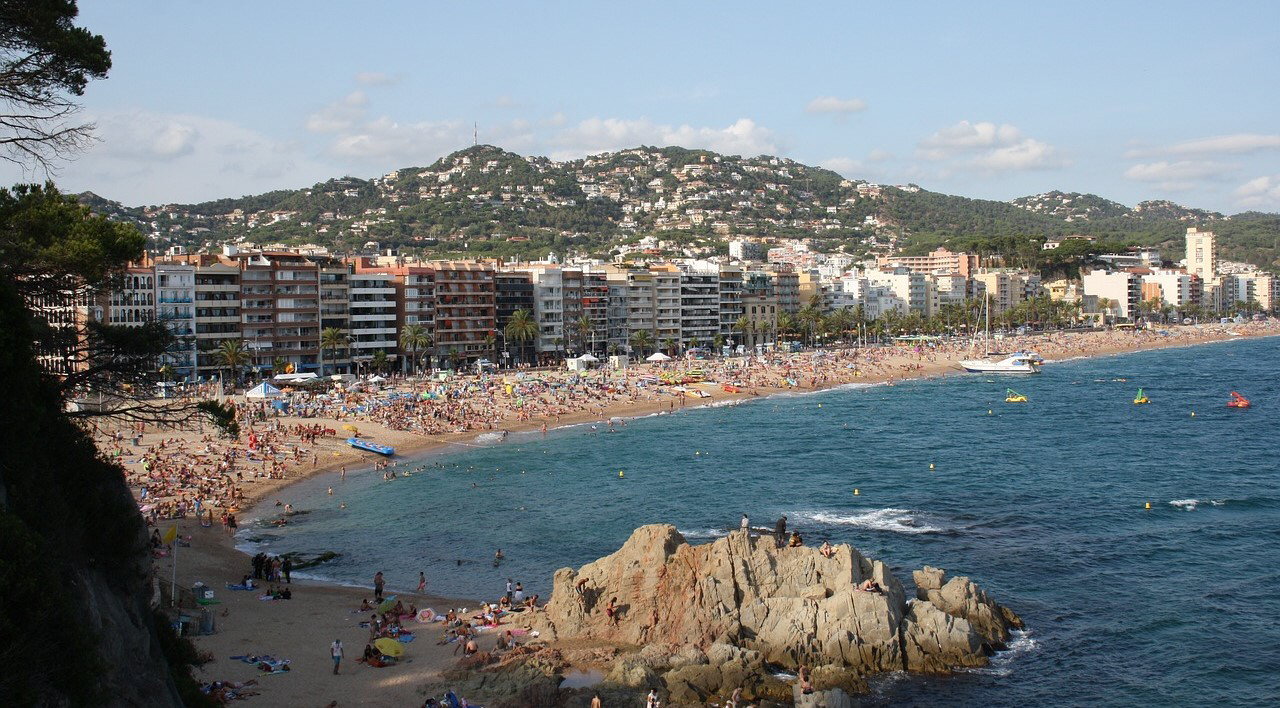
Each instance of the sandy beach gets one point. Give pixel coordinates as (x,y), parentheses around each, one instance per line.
(301,629)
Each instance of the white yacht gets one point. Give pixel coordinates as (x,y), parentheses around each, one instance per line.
(1019,363)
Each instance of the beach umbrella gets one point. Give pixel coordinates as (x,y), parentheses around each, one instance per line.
(351,429)
(387,604)
(389,646)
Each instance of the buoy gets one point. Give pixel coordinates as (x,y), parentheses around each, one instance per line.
(930,465)
(988,411)
(819,405)
(620,475)
(855,492)
(1193,414)
(1148,505)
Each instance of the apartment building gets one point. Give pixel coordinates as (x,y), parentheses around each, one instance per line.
(513,290)
(372,307)
(786,285)
(631,306)
(133,302)
(938,261)
(217,312)
(175,307)
(1122,289)
(1006,287)
(415,296)
(699,307)
(1202,257)
(595,308)
(280,309)
(730,298)
(667,313)
(465,309)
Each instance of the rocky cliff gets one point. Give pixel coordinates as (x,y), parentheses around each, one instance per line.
(711,617)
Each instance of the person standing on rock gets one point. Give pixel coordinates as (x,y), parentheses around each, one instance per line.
(595,701)
(746,523)
(651,701)
(780,530)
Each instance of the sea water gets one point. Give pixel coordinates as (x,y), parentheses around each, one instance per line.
(1043,504)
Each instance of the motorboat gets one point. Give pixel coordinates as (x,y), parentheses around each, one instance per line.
(367,446)
(1141,399)
(1238,401)
(1020,363)
(1012,396)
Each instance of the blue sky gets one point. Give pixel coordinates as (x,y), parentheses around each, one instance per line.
(1130,100)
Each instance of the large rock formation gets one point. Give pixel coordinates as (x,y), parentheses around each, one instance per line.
(712,616)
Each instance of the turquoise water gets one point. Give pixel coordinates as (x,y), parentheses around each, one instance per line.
(1042,504)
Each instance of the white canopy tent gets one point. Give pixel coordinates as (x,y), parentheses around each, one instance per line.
(588,358)
(264,390)
(657,356)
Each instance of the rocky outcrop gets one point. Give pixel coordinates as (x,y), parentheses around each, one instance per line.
(714,617)
(960,597)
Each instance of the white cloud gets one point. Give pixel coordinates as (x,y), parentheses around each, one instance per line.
(1178,172)
(1237,144)
(846,166)
(375,78)
(988,146)
(594,135)
(831,104)
(408,143)
(505,101)
(145,137)
(1260,192)
(340,115)
(879,155)
(143,157)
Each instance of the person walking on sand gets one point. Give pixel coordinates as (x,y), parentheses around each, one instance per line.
(286,568)
(422,582)
(335,651)
(377,586)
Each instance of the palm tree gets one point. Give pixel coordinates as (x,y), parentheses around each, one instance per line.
(746,328)
(332,339)
(234,356)
(718,342)
(582,328)
(641,341)
(1104,305)
(414,338)
(786,324)
(280,365)
(379,361)
(521,328)
(669,345)
(166,372)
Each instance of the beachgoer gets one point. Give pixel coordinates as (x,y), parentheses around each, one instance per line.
(827,550)
(286,568)
(518,594)
(611,611)
(869,585)
(746,523)
(377,586)
(422,582)
(651,701)
(595,701)
(335,651)
(735,701)
(780,530)
(806,683)
(796,541)
(509,590)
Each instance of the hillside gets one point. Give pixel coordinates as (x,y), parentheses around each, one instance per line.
(488,202)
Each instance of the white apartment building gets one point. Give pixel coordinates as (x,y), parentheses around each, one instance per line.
(548,308)
(1122,288)
(730,298)
(910,288)
(1202,258)
(667,307)
(175,307)
(743,250)
(372,315)
(1173,287)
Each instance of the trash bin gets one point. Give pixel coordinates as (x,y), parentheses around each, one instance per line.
(206,622)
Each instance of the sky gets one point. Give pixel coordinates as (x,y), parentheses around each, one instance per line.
(1129,100)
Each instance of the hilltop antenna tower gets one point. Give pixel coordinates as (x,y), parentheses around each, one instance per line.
(475,133)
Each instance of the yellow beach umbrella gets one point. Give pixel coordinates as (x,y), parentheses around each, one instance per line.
(389,647)
(351,429)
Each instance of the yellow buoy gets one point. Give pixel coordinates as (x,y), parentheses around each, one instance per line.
(1148,505)
(930,465)
(988,411)
(620,475)
(1193,414)
(855,492)
(819,405)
